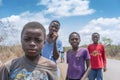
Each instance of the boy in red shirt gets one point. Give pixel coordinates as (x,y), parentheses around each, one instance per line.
(98,58)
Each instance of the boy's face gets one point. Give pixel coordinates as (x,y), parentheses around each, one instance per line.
(95,38)
(53,28)
(74,40)
(32,41)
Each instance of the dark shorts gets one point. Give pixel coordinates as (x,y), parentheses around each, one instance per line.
(96,74)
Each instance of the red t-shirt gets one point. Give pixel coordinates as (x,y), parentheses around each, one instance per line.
(98,57)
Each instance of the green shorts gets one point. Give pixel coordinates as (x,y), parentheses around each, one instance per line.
(62,55)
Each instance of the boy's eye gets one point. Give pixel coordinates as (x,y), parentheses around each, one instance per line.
(38,40)
(27,39)
(71,39)
(74,39)
(95,37)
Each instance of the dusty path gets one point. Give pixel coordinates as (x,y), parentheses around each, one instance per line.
(113,70)
(63,69)
(112,73)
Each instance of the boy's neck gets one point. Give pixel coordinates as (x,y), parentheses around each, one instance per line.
(95,42)
(75,48)
(34,59)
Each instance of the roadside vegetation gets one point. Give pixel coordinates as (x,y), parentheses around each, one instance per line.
(10,52)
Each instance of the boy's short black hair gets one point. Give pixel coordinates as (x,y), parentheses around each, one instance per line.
(74,33)
(34,25)
(96,33)
(56,22)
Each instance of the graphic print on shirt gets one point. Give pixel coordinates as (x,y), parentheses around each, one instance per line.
(95,53)
(26,75)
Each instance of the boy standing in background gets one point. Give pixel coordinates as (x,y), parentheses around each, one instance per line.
(98,58)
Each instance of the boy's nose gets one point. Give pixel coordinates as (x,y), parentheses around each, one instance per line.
(32,43)
(74,40)
(53,30)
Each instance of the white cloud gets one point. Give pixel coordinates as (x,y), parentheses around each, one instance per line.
(106,21)
(19,20)
(16,22)
(107,27)
(63,37)
(61,8)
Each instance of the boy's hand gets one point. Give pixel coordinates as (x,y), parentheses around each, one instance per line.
(104,69)
(66,78)
(55,36)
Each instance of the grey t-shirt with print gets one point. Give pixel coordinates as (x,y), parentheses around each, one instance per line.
(23,69)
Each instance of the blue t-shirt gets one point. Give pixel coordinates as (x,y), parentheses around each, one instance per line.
(47,50)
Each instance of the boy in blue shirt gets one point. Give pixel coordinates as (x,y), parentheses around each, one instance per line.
(53,46)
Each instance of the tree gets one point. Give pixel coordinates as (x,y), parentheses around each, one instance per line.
(7,30)
(107,41)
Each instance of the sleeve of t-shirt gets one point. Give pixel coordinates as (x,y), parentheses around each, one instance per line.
(87,55)
(103,56)
(4,73)
(5,70)
(60,46)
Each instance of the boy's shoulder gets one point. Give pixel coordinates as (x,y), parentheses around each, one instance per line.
(59,41)
(90,44)
(12,62)
(46,62)
(100,44)
(68,51)
(82,48)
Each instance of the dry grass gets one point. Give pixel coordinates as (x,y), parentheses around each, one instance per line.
(113,51)
(10,52)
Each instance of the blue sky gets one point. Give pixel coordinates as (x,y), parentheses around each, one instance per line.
(82,16)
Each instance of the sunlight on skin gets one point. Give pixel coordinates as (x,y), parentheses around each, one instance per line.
(1,63)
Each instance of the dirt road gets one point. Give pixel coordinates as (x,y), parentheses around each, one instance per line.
(113,70)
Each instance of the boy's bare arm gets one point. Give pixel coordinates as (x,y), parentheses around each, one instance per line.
(55,51)
(1,64)
(87,71)
(104,60)
(86,74)
(66,77)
